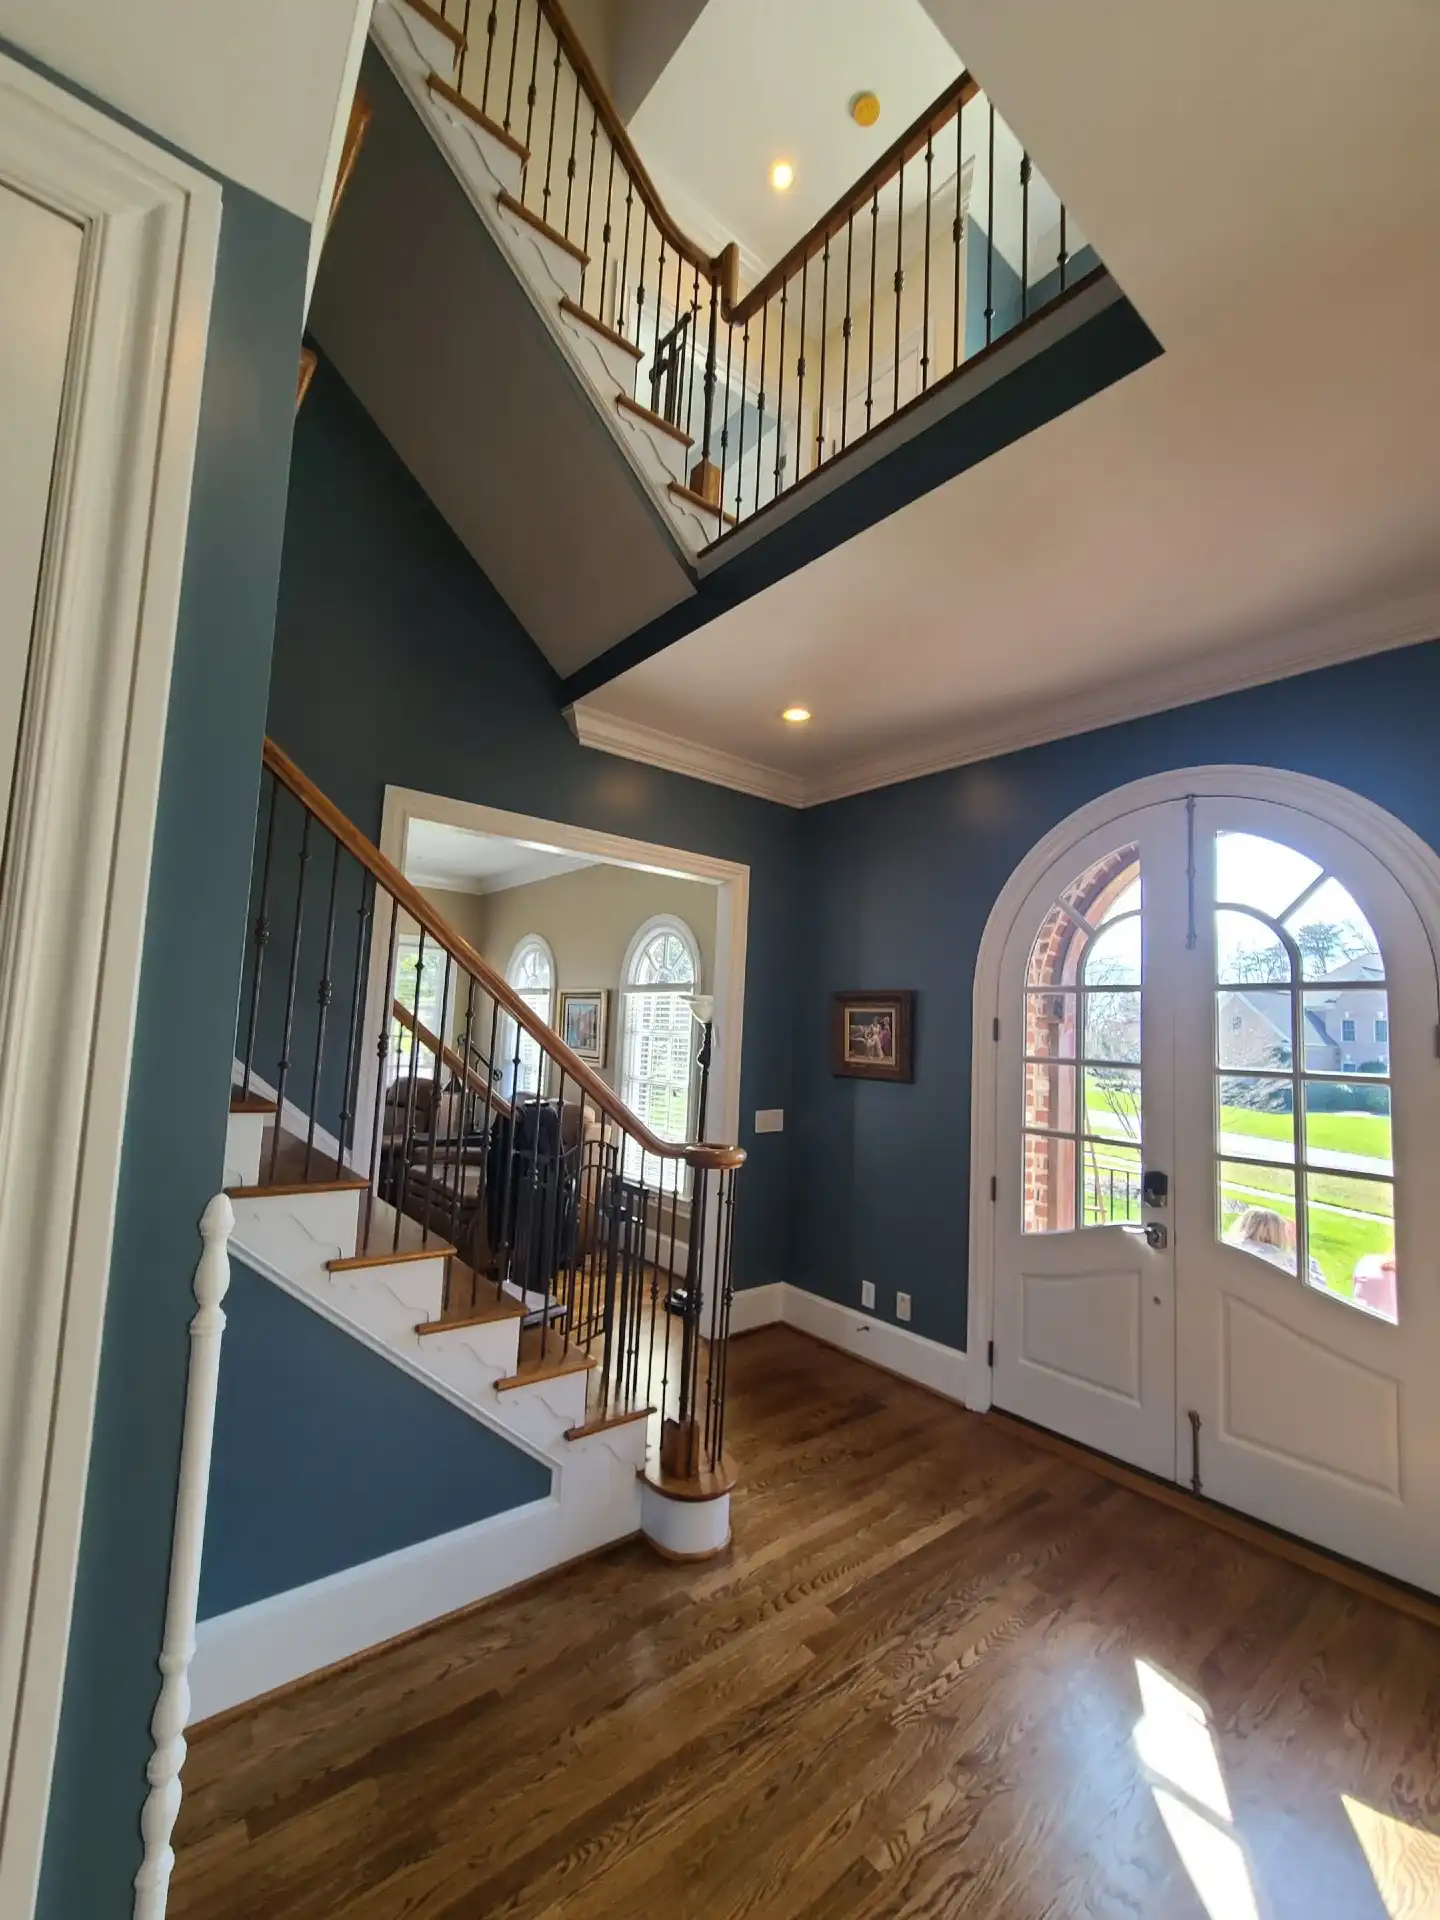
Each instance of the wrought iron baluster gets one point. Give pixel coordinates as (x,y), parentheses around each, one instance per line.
(1024,235)
(622,296)
(925,283)
(780,397)
(401,1182)
(760,400)
(870,357)
(899,279)
(382,1051)
(510,81)
(1063,257)
(990,233)
(262,941)
(570,163)
(283,1070)
(436,1097)
(846,329)
(744,402)
(491,21)
(824,330)
(550,135)
(589,200)
(605,235)
(464,50)
(531,95)
(324,994)
(800,435)
(349,1089)
(958,224)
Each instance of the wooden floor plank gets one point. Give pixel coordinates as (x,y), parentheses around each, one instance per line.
(911,1690)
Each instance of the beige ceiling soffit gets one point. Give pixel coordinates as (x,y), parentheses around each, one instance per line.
(1327,644)
(630,741)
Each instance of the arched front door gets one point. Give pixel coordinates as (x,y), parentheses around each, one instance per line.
(1214,1250)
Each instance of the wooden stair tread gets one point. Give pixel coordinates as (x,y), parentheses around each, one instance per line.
(559,1358)
(249,1103)
(688,494)
(438,21)
(290,1173)
(708,1484)
(602,1422)
(577,312)
(653,419)
(481,1316)
(379,1248)
(453,97)
(522,212)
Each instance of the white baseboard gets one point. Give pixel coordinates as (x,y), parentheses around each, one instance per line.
(248,1652)
(929,1363)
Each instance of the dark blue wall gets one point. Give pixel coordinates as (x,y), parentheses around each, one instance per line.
(327,1455)
(896,887)
(396,661)
(175,1120)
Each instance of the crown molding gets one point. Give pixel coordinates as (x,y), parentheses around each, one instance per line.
(608,733)
(1278,657)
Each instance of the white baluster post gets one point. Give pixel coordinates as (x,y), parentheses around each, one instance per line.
(172,1709)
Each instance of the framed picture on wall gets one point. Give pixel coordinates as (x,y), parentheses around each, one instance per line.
(871,1035)
(585,1023)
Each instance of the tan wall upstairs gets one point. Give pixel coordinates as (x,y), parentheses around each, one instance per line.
(588,919)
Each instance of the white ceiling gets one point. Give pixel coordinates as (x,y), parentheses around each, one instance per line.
(438,855)
(1264,183)
(753,82)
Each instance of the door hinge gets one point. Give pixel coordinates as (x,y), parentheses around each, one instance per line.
(995,1030)
(994,1187)
(1195,1486)
(990,1354)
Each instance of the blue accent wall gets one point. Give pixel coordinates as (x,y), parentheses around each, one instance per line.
(397,662)
(895,890)
(328,1455)
(173,1154)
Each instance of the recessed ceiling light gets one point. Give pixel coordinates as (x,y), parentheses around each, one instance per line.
(865,109)
(796,716)
(782,176)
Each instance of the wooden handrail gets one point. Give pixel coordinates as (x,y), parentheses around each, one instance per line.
(433,1044)
(700,1155)
(957,94)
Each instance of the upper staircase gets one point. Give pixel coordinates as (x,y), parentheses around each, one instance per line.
(719,401)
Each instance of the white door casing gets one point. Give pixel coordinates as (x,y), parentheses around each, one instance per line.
(1314,1414)
(88,749)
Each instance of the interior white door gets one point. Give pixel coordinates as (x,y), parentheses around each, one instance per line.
(1308,1265)
(1084,1325)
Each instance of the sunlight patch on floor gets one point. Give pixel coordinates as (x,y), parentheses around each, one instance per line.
(1177,1749)
(1404,1861)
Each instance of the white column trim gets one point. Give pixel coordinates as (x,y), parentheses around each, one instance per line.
(172,1709)
(78,860)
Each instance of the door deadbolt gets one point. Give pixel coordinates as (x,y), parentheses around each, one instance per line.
(1155,1187)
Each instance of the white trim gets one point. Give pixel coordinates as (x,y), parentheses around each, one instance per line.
(929,1363)
(732,919)
(1412,864)
(608,733)
(641,938)
(1268,658)
(172,1709)
(335,152)
(81,836)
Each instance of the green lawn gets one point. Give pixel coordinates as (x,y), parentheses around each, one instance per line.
(1367,1133)
(1336,1240)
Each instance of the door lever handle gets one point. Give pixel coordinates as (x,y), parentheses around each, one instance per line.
(1156,1235)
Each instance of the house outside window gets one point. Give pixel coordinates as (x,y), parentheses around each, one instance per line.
(1347,1029)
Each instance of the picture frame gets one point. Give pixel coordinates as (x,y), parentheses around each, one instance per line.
(585,1022)
(872,1035)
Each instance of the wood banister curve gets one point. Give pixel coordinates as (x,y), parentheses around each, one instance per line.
(699,1155)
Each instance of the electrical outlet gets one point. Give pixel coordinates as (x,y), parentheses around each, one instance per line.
(867,1293)
(902,1306)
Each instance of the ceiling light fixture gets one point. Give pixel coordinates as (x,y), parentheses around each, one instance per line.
(865,109)
(796,716)
(782,176)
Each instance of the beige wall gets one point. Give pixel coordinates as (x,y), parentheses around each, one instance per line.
(588,919)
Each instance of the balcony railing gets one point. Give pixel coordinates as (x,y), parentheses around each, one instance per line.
(950,241)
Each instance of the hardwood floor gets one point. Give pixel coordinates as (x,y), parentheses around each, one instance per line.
(940,1673)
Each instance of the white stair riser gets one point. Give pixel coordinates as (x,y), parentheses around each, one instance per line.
(610,368)
(392,1300)
(485,162)
(244,1137)
(300,1233)
(550,269)
(430,47)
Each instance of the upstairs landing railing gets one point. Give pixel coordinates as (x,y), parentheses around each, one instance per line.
(396,1052)
(947,243)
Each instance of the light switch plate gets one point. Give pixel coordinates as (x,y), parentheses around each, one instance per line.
(902,1306)
(867,1293)
(770,1120)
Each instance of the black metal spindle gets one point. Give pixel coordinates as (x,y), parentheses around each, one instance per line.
(1063,257)
(382,1051)
(531,96)
(436,1096)
(622,295)
(990,233)
(659,303)
(899,279)
(490,25)
(570,163)
(550,135)
(744,392)
(694,335)
(846,328)
(464,49)
(606,232)
(870,354)
(589,203)
(780,396)
(402,1174)
(1024,234)
(683,343)
(800,374)
(282,1073)
(725,418)
(925,283)
(760,399)
(262,941)
(357,1005)
(957,225)
(510,81)
(824,330)
(325,993)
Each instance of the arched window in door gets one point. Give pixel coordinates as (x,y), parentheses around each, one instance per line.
(1305,1173)
(1082,1103)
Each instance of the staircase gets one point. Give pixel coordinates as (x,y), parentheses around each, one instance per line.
(546,1263)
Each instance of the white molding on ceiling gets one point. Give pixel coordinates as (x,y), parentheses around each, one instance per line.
(1278,657)
(608,733)
(544,866)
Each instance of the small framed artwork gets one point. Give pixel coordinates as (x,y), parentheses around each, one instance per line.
(585,1023)
(871,1035)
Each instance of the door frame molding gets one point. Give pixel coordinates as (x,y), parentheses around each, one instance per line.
(1411,862)
(81,833)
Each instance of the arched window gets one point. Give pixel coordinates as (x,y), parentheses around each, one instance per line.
(657,1051)
(531,973)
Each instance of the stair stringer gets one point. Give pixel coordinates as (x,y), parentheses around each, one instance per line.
(546,272)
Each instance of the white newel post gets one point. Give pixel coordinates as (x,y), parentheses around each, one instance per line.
(172,1709)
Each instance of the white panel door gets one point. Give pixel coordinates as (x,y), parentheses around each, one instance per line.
(39,261)
(1084,1303)
(1309,1266)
